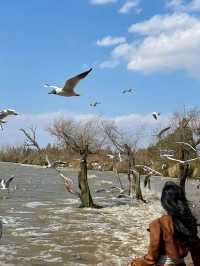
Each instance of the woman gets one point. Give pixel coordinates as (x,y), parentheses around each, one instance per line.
(174,234)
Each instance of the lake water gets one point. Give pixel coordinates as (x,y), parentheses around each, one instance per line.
(44,226)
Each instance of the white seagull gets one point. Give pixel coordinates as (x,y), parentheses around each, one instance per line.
(110,156)
(155,115)
(94,104)
(4,114)
(49,164)
(70,84)
(6,183)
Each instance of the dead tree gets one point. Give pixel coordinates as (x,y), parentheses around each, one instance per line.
(82,138)
(183,139)
(31,141)
(128,151)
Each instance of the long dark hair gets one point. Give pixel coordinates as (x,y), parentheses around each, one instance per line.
(174,201)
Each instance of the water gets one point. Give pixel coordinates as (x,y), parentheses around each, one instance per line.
(44,226)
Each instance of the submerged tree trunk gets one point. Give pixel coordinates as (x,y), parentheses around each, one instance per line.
(138,191)
(85,195)
(184,174)
(184,169)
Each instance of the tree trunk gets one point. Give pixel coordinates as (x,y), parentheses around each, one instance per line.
(85,196)
(184,169)
(138,189)
(184,174)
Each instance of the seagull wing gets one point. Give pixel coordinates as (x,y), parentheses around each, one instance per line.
(72,82)
(154,116)
(9,181)
(51,86)
(162,132)
(2,115)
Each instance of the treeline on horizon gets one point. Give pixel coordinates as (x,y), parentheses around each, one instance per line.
(106,137)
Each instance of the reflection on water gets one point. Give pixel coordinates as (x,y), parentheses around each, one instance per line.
(44,226)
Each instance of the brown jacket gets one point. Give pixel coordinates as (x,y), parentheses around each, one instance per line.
(162,242)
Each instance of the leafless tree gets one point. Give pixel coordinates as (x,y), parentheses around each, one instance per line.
(31,142)
(126,145)
(83,138)
(184,138)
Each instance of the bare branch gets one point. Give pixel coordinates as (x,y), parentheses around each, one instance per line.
(31,138)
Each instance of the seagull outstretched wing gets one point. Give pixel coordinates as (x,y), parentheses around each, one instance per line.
(72,82)
(159,135)
(2,115)
(9,181)
(50,86)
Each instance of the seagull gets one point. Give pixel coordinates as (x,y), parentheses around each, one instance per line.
(127,91)
(94,104)
(4,114)
(5,184)
(68,184)
(155,115)
(49,165)
(1,123)
(110,156)
(70,84)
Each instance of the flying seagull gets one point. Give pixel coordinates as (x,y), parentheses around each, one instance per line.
(4,114)
(94,104)
(127,91)
(70,84)
(1,123)
(6,183)
(155,115)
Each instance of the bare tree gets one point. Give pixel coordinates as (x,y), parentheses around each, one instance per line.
(183,138)
(31,141)
(83,138)
(126,145)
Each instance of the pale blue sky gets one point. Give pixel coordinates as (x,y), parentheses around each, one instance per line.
(49,41)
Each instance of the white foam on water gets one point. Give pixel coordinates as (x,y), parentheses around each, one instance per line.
(92,176)
(106,182)
(49,257)
(63,211)
(35,204)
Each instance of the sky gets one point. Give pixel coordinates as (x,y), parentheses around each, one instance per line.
(152,47)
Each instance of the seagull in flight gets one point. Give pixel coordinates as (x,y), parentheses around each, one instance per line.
(6,183)
(128,91)
(4,114)
(155,115)
(94,104)
(70,84)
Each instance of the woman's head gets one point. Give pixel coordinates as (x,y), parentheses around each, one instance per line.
(174,201)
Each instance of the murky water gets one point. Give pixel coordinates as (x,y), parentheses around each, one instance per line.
(43,225)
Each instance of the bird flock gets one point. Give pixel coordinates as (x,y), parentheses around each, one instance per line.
(68,90)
